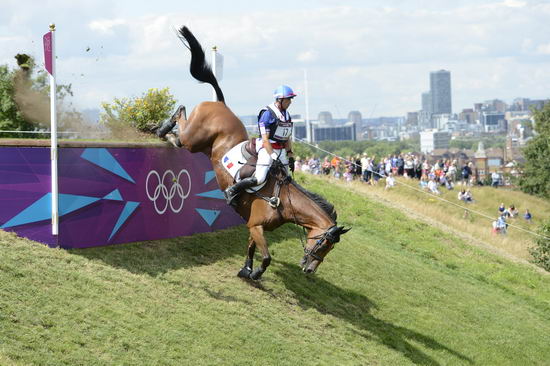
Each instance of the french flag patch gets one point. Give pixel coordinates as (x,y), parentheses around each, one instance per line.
(227,162)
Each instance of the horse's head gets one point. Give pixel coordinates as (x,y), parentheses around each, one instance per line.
(318,246)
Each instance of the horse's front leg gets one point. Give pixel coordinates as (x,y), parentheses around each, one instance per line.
(247,269)
(257,234)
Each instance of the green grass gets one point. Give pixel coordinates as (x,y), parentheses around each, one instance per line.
(394,291)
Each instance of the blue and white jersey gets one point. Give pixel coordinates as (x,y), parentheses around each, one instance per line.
(275,123)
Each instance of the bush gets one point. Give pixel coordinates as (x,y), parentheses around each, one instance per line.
(541,251)
(140,113)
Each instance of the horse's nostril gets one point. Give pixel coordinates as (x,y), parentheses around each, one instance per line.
(308,270)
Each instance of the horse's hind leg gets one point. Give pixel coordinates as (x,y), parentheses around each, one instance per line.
(257,234)
(247,268)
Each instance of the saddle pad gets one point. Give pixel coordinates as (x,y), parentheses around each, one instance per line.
(233,161)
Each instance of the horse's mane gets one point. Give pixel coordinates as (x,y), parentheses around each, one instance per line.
(199,68)
(320,201)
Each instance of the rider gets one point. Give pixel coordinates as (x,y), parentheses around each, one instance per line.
(275,126)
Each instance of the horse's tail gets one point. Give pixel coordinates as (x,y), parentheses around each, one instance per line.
(200,69)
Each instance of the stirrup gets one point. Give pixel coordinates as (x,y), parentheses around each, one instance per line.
(230,198)
(274,202)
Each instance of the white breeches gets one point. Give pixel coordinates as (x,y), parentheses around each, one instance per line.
(264,161)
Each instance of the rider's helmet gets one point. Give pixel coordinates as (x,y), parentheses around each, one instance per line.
(283,91)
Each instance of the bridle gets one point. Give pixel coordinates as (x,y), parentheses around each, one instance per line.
(328,238)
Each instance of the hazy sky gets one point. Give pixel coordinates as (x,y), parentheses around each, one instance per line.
(371,56)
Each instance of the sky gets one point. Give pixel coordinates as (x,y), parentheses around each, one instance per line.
(370,56)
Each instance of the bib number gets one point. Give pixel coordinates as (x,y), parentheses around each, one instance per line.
(283,132)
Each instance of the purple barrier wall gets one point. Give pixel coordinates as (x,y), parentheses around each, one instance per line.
(110,195)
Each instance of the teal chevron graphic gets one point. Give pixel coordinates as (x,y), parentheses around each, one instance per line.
(103,158)
(212,194)
(208,215)
(208,176)
(42,208)
(128,209)
(113,196)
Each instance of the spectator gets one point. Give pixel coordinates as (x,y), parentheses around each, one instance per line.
(313,164)
(527,216)
(390,181)
(501,225)
(513,212)
(348,170)
(400,165)
(466,173)
(409,166)
(335,163)
(469,198)
(305,165)
(444,182)
(424,182)
(417,168)
(366,167)
(326,166)
(389,162)
(495,178)
(358,168)
(432,187)
(501,208)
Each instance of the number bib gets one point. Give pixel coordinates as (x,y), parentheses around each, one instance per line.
(283,131)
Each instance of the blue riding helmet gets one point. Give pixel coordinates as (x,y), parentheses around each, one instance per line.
(283,92)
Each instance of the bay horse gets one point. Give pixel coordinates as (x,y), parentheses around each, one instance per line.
(213,129)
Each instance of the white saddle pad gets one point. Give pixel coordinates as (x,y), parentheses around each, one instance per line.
(233,161)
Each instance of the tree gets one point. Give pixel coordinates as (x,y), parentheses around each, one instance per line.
(541,251)
(11,118)
(141,113)
(24,100)
(536,173)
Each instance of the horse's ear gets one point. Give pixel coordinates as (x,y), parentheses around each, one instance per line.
(343,230)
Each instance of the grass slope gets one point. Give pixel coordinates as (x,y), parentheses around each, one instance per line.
(394,292)
(444,213)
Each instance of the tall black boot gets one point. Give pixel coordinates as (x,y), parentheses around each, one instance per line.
(169,124)
(232,192)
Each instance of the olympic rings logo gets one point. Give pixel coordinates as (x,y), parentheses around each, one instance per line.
(168,194)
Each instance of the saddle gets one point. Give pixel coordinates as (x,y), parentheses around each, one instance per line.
(250,156)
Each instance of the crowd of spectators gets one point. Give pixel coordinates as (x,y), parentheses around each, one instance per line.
(500,225)
(443,174)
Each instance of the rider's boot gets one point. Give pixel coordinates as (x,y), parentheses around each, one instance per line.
(168,125)
(232,192)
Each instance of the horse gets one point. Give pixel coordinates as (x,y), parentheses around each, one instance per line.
(213,129)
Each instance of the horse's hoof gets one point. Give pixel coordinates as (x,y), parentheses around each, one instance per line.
(245,272)
(256,274)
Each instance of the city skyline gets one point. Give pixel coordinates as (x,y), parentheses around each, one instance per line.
(372,57)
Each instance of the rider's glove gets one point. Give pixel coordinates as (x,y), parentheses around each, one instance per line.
(291,163)
(274,156)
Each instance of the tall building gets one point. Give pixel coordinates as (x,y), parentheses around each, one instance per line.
(325,118)
(432,139)
(427,102)
(440,90)
(355,117)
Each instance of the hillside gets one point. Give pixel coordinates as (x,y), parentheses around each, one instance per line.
(447,212)
(394,291)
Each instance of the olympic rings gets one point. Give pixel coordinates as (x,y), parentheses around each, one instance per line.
(162,189)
